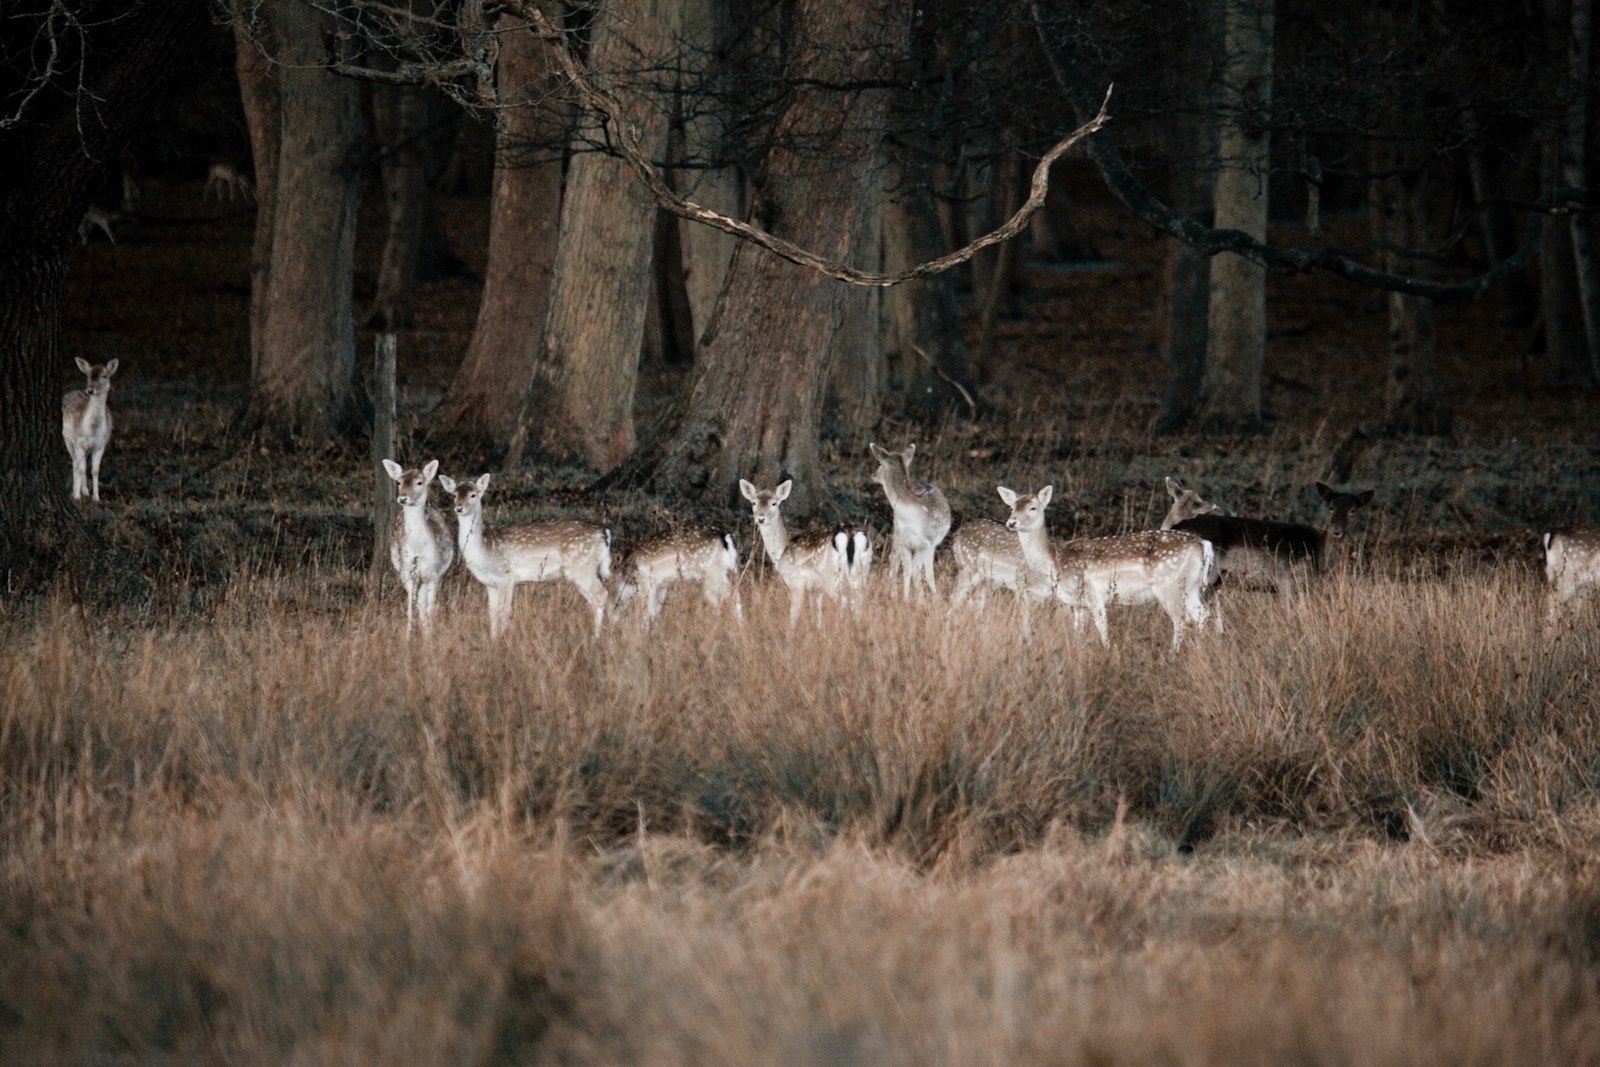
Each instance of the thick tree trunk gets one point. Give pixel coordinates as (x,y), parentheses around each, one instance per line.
(1569,338)
(580,407)
(1575,175)
(859,364)
(54,159)
(479,412)
(1236,344)
(303,390)
(706,251)
(753,407)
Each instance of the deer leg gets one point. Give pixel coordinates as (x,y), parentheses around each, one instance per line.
(94,463)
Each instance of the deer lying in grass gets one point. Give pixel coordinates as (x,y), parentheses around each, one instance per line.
(704,555)
(420,547)
(833,566)
(505,557)
(921,517)
(1279,552)
(1170,568)
(86,426)
(1571,564)
(1186,504)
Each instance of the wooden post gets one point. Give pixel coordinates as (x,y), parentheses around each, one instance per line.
(383,434)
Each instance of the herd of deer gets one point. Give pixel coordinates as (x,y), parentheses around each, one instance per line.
(1177,566)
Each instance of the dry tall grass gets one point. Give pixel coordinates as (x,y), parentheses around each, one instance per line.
(1358,831)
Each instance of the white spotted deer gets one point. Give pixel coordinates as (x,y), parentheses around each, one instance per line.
(1187,504)
(420,547)
(505,557)
(86,426)
(1279,552)
(704,555)
(1161,566)
(1571,564)
(831,566)
(921,517)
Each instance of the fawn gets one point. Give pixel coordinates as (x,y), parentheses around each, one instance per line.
(921,517)
(420,547)
(704,555)
(832,565)
(86,426)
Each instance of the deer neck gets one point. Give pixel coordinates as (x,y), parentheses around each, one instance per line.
(897,486)
(774,537)
(469,536)
(1036,550)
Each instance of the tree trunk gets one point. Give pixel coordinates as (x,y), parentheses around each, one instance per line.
(253,41)
(706,251)
(1575,175)
(303,389)
(753,406)
(1236,343)
(580,407)
(858,369)
(121,67)
(400,115)
(479,412)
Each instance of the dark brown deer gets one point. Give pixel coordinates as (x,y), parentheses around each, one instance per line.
(1279,552)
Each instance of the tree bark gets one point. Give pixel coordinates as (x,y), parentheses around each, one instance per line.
(303,390)
(253,42)
(859,383)
(479,411)
(1236,341)
(400,118)
(753,405)
(706,251)
(55,159)
(580,407)
(1575,176)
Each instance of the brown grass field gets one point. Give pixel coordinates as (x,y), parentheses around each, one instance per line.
(245,821)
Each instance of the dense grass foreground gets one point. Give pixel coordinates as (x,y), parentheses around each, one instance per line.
(1360,831)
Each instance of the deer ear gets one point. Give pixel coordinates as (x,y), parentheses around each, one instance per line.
(911,450)
(1366,497)
(83,364)
(781,493)
(483,481)
(394,469)
(1324,492)
(1008,495)
(1045,494)
(877,453)
(1174,490)
(111,367)
(748,490)
(448,482)
(430,470)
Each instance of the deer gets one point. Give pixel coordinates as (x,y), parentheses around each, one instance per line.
(1186,504)
(505,557)
(86,426)
(833,565)
(921,518)
(705,555)
(420,546)
(1165,566)
(1279,552)
(1571,563)
(99,218)
(227,182)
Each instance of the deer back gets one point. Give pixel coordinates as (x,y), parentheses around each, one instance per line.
(542,550)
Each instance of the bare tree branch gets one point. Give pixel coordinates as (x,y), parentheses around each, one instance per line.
(1127,188)
(626,143)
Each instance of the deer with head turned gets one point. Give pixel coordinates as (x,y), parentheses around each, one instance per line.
(420,548)
(505,557)
(832,566)
(86,426)
(921,517)
(1161,566)
(1571,565)
(1186,504)
(704,555)
(1279,552)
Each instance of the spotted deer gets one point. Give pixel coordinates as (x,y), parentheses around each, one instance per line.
(86,426)
(1279,552)
(1186,504)
(921,518)
(420,547)
(505,557)
(704,555)
(1169,568)
(1571,564)
(833,566)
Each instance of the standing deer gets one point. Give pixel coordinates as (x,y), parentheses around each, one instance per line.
(921,517)
(1186,504)
(420,547)
(1170,568)
(832,565)
(1279,552)
(86,426)
(1571,563)
(703,555)
(504,558)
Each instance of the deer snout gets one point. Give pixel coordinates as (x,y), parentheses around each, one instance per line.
(1011,524)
